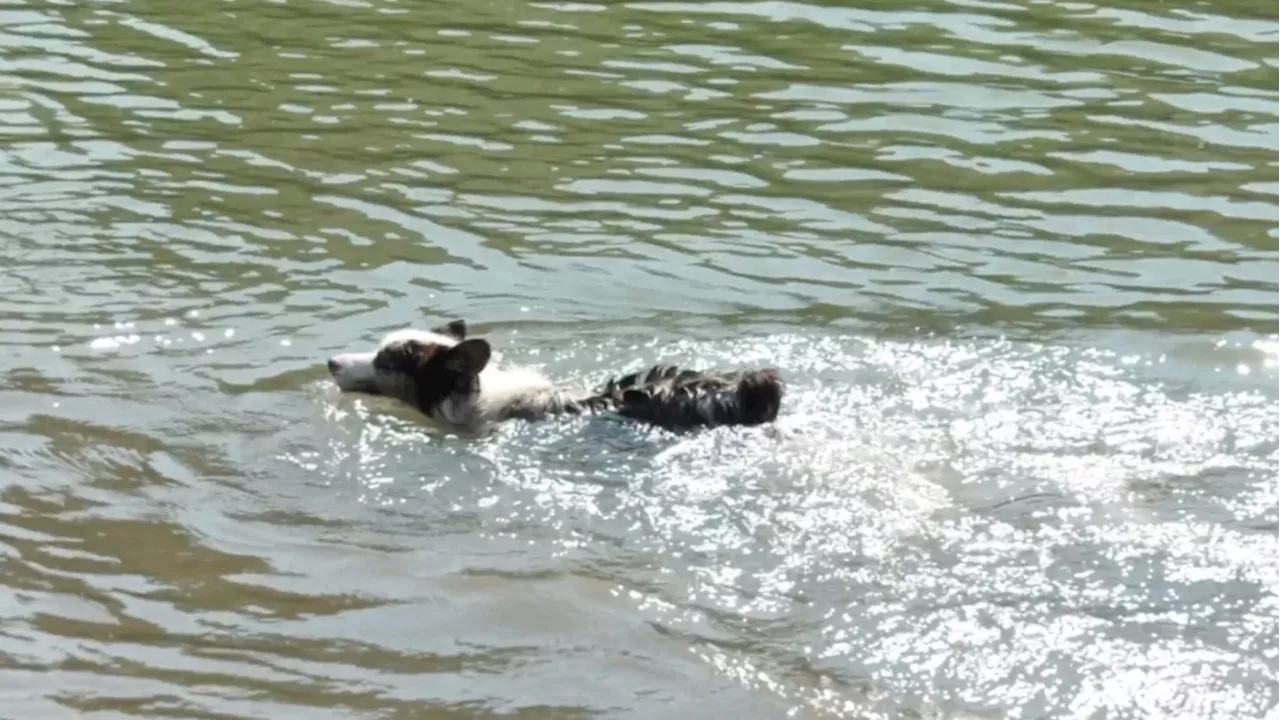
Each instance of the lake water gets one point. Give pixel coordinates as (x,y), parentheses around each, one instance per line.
(1017,261)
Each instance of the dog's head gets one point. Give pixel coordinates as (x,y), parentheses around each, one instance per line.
(420,367)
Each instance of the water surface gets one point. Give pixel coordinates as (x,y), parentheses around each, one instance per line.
(1018,263)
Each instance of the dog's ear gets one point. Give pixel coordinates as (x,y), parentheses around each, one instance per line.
(456,329)
(468,357)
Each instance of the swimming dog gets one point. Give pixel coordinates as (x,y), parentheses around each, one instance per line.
(448,377)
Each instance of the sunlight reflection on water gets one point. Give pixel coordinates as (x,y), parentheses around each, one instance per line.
(976,523)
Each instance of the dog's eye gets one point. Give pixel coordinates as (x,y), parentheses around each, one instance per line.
(400,356)
(391,357)
(410,352)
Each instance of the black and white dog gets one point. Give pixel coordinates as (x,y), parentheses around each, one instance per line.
(448,377)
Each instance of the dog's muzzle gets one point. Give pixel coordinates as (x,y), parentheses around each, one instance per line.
(354,372)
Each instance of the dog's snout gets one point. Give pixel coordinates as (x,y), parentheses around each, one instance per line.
(354,371)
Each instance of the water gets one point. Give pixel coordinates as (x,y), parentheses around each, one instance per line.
(1018,262)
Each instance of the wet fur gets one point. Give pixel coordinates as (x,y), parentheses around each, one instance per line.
(449,377)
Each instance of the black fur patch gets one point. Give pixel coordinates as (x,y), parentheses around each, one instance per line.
(438,372)
(672,397)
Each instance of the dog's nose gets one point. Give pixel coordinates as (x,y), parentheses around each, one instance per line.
(334,367)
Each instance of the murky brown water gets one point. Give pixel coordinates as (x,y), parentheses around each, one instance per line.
(1019,262)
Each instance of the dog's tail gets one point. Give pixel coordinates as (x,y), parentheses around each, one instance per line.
(675,398)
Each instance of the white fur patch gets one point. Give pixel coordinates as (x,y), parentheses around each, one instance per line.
(353,372)
(425,337)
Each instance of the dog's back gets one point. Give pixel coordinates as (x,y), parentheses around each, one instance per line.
(672,397)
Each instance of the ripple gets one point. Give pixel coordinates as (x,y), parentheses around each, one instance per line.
(1018,262)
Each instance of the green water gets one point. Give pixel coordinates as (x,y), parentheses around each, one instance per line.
(1017,261)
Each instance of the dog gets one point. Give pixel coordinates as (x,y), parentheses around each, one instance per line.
(448,377)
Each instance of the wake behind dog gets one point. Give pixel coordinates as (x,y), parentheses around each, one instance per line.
(448,377)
